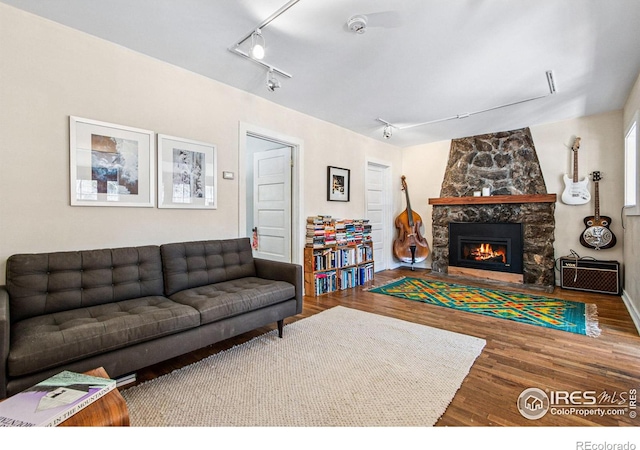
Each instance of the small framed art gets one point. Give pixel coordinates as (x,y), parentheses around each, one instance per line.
(111,165)
(186,173)
(338,184)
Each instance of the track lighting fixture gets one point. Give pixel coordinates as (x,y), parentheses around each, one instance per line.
(256,51)
(272,81)
(386,132)
(257,44)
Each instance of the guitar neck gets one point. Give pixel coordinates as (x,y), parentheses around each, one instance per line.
(597,200)
(576,146)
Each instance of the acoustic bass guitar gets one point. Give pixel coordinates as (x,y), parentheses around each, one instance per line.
(576,190)
(597,234)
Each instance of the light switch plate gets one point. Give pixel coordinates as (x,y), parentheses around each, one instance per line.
(227,175)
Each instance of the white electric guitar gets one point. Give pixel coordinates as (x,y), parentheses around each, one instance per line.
(576,191)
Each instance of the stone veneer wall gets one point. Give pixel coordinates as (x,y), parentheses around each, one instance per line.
(507,163)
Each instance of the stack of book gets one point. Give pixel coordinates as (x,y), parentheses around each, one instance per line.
(366,231)
(324,231)
(316,233)
(329,233)
(341,232)
(350,229)
(53,400)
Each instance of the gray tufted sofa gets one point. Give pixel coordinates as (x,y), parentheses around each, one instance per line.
(128,308)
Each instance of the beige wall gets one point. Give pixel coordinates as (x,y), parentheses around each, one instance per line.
(631,294)
(601,149)
(50,72)
(424,167)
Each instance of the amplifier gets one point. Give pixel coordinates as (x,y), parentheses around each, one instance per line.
(590,275)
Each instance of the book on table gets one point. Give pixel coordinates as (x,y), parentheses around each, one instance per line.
(53,400)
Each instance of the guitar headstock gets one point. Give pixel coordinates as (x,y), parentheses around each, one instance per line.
(576,145)
(596,176)
(404,183)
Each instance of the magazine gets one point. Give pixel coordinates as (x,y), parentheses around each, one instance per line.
(53,400)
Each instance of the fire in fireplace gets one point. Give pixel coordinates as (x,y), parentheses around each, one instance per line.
(486,246)
(485,252)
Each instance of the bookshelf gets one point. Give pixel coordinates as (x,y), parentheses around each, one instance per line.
(338,254)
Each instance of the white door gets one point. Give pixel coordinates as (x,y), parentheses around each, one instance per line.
(272,204)
(378,213)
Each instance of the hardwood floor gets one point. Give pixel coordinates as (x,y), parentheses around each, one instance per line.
(516,356)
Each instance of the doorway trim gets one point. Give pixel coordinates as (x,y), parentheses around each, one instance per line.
(297,180)
(388,208)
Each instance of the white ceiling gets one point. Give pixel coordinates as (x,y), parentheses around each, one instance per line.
(418,61)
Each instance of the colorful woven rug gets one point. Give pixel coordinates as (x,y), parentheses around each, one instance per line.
(575,317)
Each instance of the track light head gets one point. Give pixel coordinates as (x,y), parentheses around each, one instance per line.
(387,132)
(257,45)
(272,81)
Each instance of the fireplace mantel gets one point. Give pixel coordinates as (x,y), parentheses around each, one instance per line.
(494,199)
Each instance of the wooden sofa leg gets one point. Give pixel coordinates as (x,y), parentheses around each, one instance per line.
(280,327)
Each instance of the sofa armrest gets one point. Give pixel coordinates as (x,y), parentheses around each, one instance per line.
(5,327)
(282,271)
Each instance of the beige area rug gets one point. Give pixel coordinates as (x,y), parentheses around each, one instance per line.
(339,368)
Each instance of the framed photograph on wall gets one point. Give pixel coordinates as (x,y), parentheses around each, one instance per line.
(111,165)
(186,173)
(338,184)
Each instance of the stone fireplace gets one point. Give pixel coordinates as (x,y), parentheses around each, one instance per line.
(507,164)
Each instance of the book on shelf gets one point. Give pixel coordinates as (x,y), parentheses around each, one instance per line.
(53,400)
(366,273)
(325,282)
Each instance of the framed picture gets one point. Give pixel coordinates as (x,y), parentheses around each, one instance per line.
(111,165)
(186,173)
(338,184)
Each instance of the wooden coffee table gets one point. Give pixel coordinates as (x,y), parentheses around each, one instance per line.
(108,411)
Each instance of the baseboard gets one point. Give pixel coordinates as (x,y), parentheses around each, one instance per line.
(633,311)
(401,265)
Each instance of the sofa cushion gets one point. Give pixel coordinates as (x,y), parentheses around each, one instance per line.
(46,283)
(230,298)
(55,339)
(191,264)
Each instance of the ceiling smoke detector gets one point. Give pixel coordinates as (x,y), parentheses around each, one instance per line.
(357,24)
